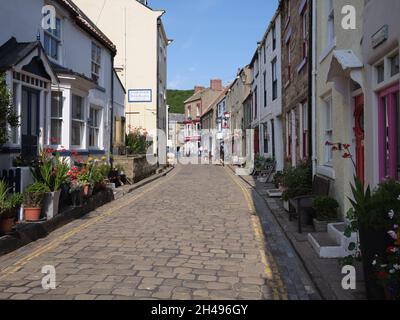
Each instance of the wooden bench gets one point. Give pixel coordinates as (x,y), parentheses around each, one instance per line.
(302,204)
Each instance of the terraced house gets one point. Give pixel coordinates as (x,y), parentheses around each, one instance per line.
(296,92)
(62,78)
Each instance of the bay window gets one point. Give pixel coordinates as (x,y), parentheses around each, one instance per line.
(77,120)
(56,117)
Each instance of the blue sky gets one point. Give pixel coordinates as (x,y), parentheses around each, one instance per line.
(212,38)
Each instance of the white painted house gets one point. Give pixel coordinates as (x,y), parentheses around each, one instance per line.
(267,94)
(63,82)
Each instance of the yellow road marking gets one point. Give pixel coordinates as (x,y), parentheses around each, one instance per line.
(271,270)
(59,240)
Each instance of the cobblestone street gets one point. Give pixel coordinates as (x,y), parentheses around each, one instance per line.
(190,235)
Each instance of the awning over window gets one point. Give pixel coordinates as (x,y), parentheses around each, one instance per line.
(345,64)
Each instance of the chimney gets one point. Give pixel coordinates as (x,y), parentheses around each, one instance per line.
(216,85)
(198,89)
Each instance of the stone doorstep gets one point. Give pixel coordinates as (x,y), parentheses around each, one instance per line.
(32,231)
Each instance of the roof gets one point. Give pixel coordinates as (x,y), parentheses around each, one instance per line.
(12,52)
(195,96)
(177,117)
(211,98)
(62,70)
(88,25)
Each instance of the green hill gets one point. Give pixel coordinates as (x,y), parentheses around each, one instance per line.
(175,99)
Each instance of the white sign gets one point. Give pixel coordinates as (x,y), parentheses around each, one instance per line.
(139,95)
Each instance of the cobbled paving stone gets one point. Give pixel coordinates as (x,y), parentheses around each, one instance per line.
(189,236)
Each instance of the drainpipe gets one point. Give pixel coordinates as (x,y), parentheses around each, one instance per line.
(112,111)
(312,83)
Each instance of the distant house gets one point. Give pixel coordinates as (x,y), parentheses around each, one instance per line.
(63,83)
(196,106)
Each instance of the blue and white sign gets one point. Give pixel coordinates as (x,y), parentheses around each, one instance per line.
(140,95)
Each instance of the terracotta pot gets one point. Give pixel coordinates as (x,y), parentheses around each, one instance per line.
(32,214)
(6,225)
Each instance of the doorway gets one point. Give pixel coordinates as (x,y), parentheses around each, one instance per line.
(30,122)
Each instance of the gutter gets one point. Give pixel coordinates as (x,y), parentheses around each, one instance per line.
(112,112)
(314,88)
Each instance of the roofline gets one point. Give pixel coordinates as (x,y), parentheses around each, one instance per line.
(119,80)
(79,15)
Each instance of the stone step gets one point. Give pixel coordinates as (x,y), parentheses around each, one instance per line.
(325,246)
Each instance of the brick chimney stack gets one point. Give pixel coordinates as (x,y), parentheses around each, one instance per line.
(198,89)
(216,84)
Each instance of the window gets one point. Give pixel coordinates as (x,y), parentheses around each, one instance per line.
(288,135)
(96,62)
(52,41)
(389,133)
(198,110)
(255,103)
(265,88)
(304,32)
(273,37)
(94,126)
(78,122)
(328,130)
(274,80)
(380,73)
(14,130)
(331,23)
(56,117)
(304,113)
(394,65)
(265,55)
(265,132)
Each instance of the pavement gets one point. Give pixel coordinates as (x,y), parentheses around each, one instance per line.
(326,274)
(199,233)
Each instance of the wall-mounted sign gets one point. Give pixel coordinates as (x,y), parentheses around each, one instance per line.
(140,95)
(381,36)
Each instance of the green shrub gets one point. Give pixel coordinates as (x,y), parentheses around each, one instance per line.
(325,208)
(297,181)
(8,202)
(34,195)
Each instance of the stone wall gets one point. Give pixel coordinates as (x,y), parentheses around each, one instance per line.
(136,168)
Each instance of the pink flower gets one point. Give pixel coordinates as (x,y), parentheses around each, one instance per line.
(392,234)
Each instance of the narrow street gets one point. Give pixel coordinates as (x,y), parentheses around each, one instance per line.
(190,235)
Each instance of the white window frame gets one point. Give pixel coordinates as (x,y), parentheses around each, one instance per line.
(81,122)
(96,62)
(56,38)
(330,24)
(91,126)
(58,119)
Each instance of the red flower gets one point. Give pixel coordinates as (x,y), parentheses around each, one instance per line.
(382,275)
(391,250)
(74,153)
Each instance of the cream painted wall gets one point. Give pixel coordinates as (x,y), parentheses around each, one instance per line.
(134,30)
(340,171)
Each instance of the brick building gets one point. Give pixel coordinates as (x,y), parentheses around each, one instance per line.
(296,92)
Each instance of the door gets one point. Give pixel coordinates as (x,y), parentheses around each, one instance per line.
(359,135)
(257,141)
(29,123)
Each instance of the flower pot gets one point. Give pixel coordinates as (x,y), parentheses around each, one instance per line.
(51,203)
(32,214)
(372,242)
(320,226)
(6,225)
(77,198)
(87,190)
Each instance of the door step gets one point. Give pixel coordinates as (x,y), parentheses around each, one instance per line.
(332,244)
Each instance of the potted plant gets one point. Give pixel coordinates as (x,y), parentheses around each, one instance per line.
(9,203)
(52,171)
(33,200)
(325,209)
